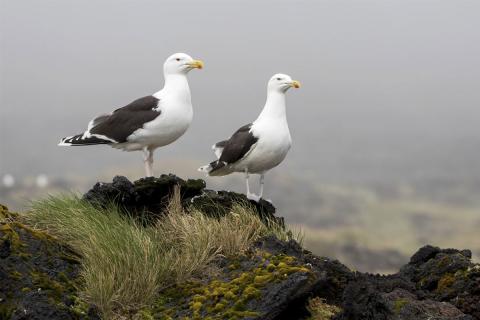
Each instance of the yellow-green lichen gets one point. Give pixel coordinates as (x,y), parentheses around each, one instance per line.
(399,304)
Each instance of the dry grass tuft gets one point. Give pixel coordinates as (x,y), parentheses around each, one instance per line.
(321,310)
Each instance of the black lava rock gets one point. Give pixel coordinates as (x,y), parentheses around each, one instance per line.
(407,306)
(36,306)
(436,284)
(446,275)
(5,248)
(148,198)
(327,279)
(363,301)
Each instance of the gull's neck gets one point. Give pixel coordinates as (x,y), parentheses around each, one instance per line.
(275,106)
(176,86)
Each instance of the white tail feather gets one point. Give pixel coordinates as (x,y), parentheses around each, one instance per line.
(62,142)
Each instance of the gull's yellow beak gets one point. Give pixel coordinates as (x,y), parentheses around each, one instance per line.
(196,64)
(295,84)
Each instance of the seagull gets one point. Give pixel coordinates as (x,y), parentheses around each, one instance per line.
(149,122)
(261,145)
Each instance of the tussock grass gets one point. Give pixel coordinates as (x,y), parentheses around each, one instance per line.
(122,266)
(125,265)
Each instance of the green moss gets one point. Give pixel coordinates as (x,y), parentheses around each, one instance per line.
(144,314)
(239,305)
(271,267)
(10,229)
(199,298)
(70,258)
(44,282)
(196,306)
(25,256)
(234,265)
(399,304)
(6,215)
(79,307)
(422,282)
(251,292)
(444,261)
(11,235)
(262,280)
(219,307)
(62,277)
(41,235)
(55,288)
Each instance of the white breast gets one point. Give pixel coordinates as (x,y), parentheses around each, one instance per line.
(273,144)
(173,121)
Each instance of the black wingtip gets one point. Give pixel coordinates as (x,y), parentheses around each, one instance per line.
(80,140)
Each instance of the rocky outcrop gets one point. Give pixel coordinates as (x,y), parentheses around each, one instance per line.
(446,275)
(39,277)
(277,279)
(148,197)
(435,284)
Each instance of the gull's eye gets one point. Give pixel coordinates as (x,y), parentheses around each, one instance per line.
(178,59)
(279,79)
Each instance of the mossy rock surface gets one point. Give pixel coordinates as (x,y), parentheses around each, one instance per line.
(39,277)
(436,284)
(446,275)
(271,281)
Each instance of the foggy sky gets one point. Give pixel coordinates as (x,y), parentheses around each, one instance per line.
(388,86)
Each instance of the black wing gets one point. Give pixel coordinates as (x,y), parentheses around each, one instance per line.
(221,144)
(238,145)
(124,121)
